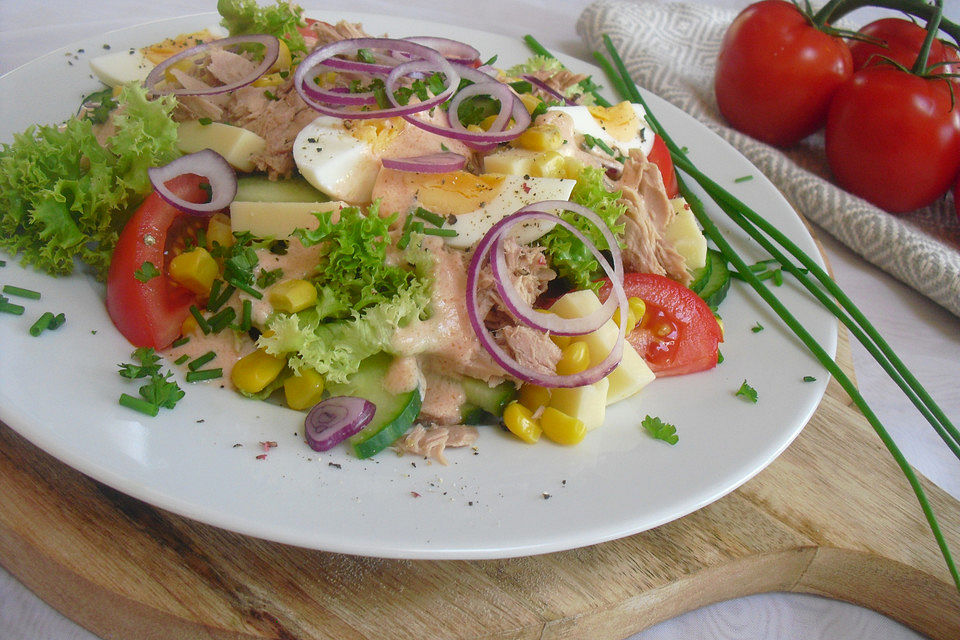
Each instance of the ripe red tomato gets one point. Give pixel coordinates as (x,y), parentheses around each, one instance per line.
(893,138)
(903,39)
(956,197)
(776,73)
(679,333)
(660,156)
(149,314)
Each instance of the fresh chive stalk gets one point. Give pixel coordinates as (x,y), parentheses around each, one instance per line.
(204,374)
(20,292)
(42,324)
(825,290)
(139,404)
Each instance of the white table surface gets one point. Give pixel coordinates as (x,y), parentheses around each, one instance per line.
(926,336)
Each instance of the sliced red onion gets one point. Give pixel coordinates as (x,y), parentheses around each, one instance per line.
(499,355)
(207,164)
(325,101)
(543,86)
(549,322)
(443,162)
(452,50)
(270,54)
(335,419)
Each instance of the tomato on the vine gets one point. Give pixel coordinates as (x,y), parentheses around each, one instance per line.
(776,73)
(678,334)
(149,311)
(893,137)
(899,40)
(660,156)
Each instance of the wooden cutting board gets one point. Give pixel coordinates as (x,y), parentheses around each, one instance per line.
(832,516)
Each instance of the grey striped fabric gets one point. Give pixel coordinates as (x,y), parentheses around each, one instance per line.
(670,49)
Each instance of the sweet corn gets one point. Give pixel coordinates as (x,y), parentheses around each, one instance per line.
(533,396)
(574,359)
(561,341)
(631,319)
(195,270)
(254,371)
(304,390)
(561,428)
(520,422)
(638,306)
(530,101)
(219,231)
(293,295)
(541,137)
(548,164)
(189,326)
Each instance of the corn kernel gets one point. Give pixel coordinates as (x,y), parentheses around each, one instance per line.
(533,396)
(195,270)
(548,164)
(574,359)
(268,80)
(254,371)
(561,428)
(631,319)
(530,101)
(219,231)
(561,341)
(638,306)
(571,167)
(189,326)
(304,390)
(520,422)
(293,295)
(541,137)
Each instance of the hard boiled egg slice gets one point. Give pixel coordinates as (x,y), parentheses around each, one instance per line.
(622,127)
(341,158)
(471,204)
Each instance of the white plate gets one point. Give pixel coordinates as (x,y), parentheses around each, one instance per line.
(505,499)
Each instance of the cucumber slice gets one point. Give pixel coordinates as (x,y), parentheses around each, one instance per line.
(715,288)
(701,276)
(476,416)
(395,412)
(493,400)
(258,188)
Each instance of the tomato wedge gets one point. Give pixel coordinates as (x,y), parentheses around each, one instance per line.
(149,314)
(678,333)
(660,156)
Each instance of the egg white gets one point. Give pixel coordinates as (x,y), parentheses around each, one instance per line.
(336,162)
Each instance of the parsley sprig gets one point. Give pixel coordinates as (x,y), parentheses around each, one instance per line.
(660,430)
(159,391)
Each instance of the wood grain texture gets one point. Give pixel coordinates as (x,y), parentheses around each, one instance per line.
(832,516)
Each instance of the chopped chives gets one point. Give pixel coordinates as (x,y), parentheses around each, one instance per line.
(204,374)
(201,321)
(214,292)
(9,307)
(220,321)
(181,359)
(757,328)
(58,321)
(444,233)
(431,217)
(199,361)
(246,316)
(41,324)
(3,263)
(743,179)
(182,340)
(21,292)
(809,379)
(245,288)
(221,299)
(139,404)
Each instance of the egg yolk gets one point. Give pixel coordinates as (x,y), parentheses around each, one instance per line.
(457,192)
(620,120)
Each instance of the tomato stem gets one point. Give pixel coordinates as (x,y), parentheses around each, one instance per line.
(836,9)
(933,25)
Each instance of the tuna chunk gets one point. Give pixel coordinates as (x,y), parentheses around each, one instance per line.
(430,442)
(648,214)
(531,348)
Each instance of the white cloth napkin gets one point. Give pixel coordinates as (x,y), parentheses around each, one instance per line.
(671,48)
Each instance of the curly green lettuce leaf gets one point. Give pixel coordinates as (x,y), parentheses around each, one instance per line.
(242,17)
(569,257)
(580,92)
(335,348)
(64,196)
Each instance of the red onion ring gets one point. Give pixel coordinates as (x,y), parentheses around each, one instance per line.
(547,321)
(499,355)
(543,86)
(320,99)
(443,162)
(270,54)
(452,50)
(207,164)
(335,419)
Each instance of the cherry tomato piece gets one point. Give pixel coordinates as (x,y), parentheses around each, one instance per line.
(150,313)
(893,138)
(776,73)
(678,334)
